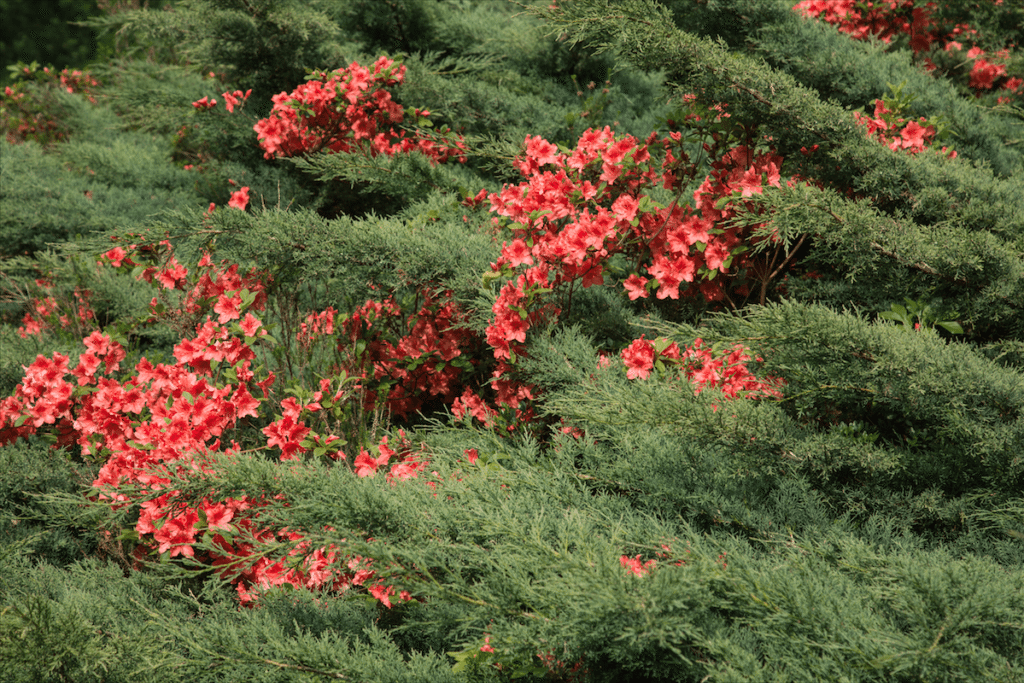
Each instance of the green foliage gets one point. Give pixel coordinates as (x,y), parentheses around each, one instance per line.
(97,181)
(527,544)
(264,45)
(854,73)
(392,182)
(31,472)
(866,258)
(43,32)
(953,416)
(915,314)
(93,624)
(866,525)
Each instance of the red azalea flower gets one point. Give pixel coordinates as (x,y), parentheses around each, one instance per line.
(240,199)
(639,359)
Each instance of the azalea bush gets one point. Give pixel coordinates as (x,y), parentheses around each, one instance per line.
(208,391)
(619,392)
(28,109)
(339,110)
(956,40)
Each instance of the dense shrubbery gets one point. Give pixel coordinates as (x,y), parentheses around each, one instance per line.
(457,341)
(49,31)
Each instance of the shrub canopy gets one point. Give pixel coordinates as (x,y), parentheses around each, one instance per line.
(475,341)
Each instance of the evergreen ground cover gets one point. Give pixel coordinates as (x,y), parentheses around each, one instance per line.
(471,341)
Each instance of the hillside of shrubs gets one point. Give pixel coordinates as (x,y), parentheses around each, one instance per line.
(452,340)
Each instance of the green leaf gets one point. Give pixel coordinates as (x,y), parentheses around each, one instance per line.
(951,327)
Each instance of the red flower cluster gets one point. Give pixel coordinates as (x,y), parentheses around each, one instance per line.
(75,81)
(234,99)
(48,313)
(239,199)
(27,115)
(408,359)
(231,100)
(576,210)
(291,433)
(315,326)
(700,366)
(886,20)
(347,110)
(898,133)
(218,283)
(167,419)
(882,20)
(983,72)
(637,566)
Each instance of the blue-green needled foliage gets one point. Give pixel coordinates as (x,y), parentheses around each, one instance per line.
(854,514)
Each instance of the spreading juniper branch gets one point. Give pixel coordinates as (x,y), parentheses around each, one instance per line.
(645,33)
